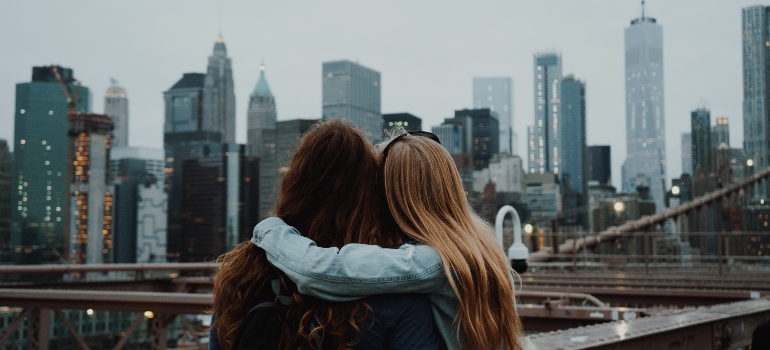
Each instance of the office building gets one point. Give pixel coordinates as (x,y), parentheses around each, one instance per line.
(261,116)
(544,149)
(702,152)
(484,135)
(756,92)
(599,164)
(352,92)
(137,170)
(543,197)
(738,164)
(184,136)
(405,120)
(687,153)
(645,112)
(151,219)
(720,133)
(458,133)
(116,106)
(40,200)
(5,202)
(506,172)
(91,235)
(218,94)
(272,166)
(573,172)
(219,199)
(496,93)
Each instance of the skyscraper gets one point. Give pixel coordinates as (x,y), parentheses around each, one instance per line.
(687,153)
(91,235)
(41,198)
(484,135)
(573,172)
(756,92)
(261,116)
(702,152)
(497,95)
(645,115)
(184,136)
(137,170)
(219,199)
(116,106)
(5,202)
(218,94)
(599,164)
(352,92)
(720,133)
(547,128)
(284,141)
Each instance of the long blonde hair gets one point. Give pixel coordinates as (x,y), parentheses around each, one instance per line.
(426,197)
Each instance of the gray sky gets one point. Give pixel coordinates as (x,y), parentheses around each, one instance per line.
(427,51)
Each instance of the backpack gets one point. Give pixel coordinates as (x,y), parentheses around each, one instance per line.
(263,323)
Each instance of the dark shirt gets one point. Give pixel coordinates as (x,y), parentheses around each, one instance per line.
(396,322)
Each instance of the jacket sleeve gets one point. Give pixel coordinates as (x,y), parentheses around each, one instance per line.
(353,272)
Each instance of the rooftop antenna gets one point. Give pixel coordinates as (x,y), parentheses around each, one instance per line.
(642,9)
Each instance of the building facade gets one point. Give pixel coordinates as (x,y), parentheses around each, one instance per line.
(185,136)
(702,150)
(496,93)
(134,170)
(484,135)
(116,106)
(40,202)
(573,172)
(599,164)
(720,133)
(544,149)
(352,92)
(219,198)
(218,94)
(687,153)
(756,92)
(5,202)
(645,113)
(93,194)
(261,116)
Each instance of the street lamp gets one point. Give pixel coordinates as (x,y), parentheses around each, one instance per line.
(675,190)
(528,229)
(750,162)
(619,206)
(518,252)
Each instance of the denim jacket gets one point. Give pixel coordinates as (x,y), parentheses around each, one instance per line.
(359,270)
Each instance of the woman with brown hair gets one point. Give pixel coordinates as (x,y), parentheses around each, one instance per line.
(330,193)
(460,266)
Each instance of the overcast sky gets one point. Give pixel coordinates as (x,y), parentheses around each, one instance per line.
(427,52)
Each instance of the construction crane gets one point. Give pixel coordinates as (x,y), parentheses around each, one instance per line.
(72,97)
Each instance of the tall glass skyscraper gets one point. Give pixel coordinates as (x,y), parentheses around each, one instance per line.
(702,152)
(352,92)
(184,137)
(574,153)
(116,106)
(687,153)
(756,92)
(645,115)
(497,95)
(544,151)
(218,94)
(40,199)
(720,133)
(261,116)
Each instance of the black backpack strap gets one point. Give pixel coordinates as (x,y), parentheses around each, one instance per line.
(267,304)
(285,300)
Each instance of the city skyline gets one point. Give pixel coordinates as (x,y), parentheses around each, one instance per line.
(430,85)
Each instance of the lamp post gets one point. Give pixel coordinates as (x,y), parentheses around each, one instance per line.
(749,174)
(518,252)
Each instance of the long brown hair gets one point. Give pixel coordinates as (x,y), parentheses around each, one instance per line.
(426,197)
(330,194)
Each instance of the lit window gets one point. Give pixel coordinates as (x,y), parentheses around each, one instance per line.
(22,111)
(50,112)
(43,142)
(23,141)
(47,163)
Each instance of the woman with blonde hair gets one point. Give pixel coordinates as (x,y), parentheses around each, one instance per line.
(457,261)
